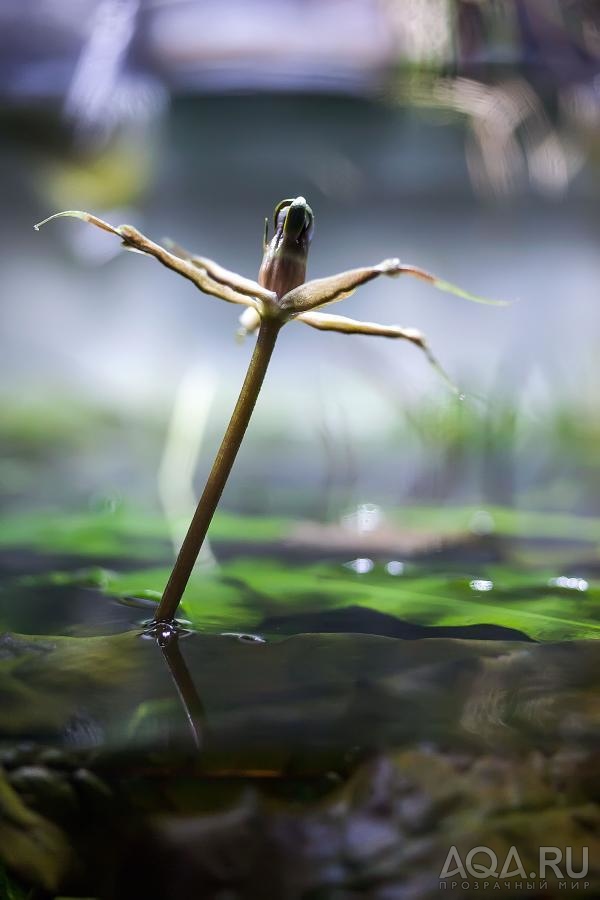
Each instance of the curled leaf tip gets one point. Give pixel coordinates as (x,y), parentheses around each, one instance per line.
(449,288)
(79,214)
(68,212)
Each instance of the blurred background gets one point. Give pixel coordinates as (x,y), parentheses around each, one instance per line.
(460,135)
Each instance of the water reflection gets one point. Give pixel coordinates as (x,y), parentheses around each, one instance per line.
(298,702)
(167,637)
(401,743)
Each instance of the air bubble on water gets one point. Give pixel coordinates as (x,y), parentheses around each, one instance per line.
(361,565)
(480,584)
(395,567)
(570,584)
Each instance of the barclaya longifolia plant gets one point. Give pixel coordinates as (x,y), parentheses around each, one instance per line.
(280,295)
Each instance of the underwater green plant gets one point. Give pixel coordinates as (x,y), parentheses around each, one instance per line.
(280,295)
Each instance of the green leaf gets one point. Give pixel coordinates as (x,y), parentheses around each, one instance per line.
(123,532)
(246,591)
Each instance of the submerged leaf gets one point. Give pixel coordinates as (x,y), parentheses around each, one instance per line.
(248,590)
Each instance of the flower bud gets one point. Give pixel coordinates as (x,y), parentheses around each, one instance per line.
(284,261)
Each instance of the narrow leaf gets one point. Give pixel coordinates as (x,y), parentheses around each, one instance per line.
(459,292)
(344,325)
(136,241)
(322,291)
(221,275)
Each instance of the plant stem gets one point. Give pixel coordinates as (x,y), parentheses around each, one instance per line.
(219,473)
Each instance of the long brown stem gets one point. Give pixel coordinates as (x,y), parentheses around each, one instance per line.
(220,472)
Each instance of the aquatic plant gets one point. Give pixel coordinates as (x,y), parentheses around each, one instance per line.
(280,295)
